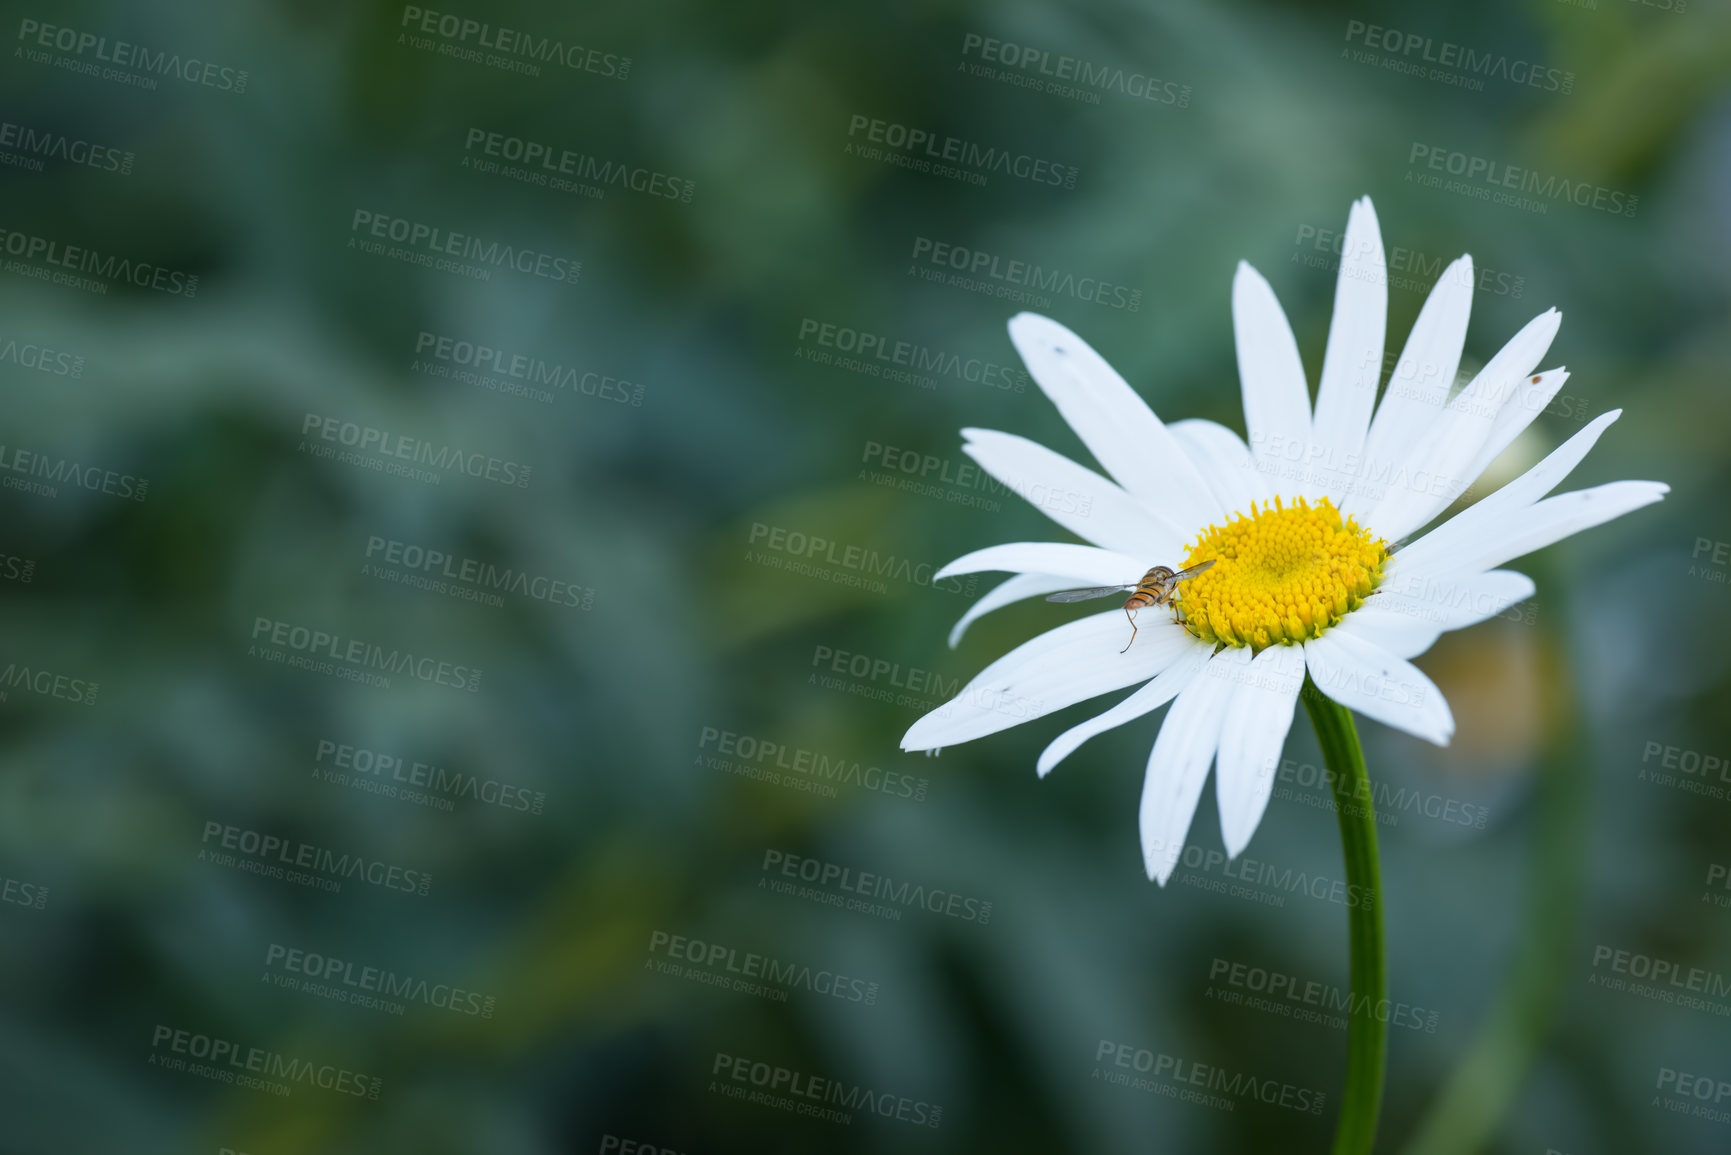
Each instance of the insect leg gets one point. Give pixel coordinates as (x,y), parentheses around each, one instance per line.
(1133,628)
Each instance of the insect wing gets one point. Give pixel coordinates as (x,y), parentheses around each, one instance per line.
(1170,584)
(1088,594)
(1189,573)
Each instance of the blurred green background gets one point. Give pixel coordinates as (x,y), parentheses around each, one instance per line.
(596,811)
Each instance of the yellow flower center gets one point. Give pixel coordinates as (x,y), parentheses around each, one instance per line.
(1281,575)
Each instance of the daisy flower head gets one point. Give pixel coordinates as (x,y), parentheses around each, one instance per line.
(1300,532)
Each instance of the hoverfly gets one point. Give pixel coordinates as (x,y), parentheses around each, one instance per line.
(1155,589)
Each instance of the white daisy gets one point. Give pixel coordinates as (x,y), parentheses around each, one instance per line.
(1303,525)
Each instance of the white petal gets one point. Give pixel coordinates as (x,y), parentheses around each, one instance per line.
(1276,400)
(1076,498)
(1027,585)
(1117,426)
(1374,682)
(1146,699)
(1408,613)
(1423,377)
(1399,634)
(1527,398)
(1251,738)
(1352,363)
(1446,602)
(1534,527)
(1434,472)
(1077,661)
(1465,526)
(1178,765)
(1088,565)
(1225,463)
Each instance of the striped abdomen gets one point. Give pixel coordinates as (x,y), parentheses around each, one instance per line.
(1152,590)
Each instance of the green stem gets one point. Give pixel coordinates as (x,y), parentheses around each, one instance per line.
(1367,1035)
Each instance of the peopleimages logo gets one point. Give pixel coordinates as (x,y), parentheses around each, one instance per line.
(1293,997)
(226,1061)
(1669,973)
(1386,800)
(1718,878)
(881,355)
(1174,1077)
(1706,774)
(26,147)
(341,980)
(465,39)
(35,895)
(994,275)
(802,1094)
(755,757)
(1703,1089)
(443,571)
(1200,863)
(428,242)
(823,875)
(268,854)
(28,247)
(1456,64)
(1024,66)
(504,371)
(913,679)
(51,472)
(1425,270)
(924,150)
(1485,179)
(41,358)
(47,683)
(720,965)
(570,171)
(861,566)
(272,639)
(17,569)
(37,36)
(346,764)
(414,450)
